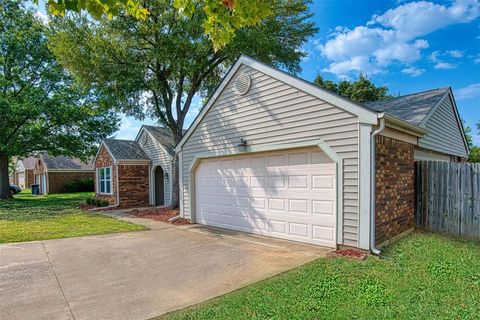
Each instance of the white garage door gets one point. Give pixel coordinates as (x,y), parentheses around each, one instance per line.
(290,195)
(21,179)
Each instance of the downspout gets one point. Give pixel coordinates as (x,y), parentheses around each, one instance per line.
(373,249)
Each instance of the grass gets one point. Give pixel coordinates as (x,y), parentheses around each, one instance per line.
(423,276)
(28,218)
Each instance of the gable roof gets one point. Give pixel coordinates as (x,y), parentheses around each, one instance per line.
(65,163)
(412,108)
(366,115)
(162,135)
(27,163)
(125,149)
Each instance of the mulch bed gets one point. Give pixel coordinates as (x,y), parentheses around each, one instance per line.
(160,214)
(352,254)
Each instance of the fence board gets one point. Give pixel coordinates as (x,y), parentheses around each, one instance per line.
(447,198)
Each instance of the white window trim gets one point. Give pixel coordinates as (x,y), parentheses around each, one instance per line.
(99,186)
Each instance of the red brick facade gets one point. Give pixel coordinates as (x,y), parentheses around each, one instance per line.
(395,187)
(104,159)
(133,184)
(133,181)
(57,180)
(28,181)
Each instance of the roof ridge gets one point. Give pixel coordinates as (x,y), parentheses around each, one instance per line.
(410,94)
(126,140)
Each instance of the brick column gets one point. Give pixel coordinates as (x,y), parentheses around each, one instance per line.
(395,187)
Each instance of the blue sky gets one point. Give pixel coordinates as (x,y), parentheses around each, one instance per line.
(408,46)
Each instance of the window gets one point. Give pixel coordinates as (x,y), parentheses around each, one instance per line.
(105,180)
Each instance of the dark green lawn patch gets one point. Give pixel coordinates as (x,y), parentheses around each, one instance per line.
(27,218)
(423,276)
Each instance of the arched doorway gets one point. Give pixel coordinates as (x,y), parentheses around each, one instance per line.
(159,187)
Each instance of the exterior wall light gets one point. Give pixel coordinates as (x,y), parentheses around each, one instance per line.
(242,147)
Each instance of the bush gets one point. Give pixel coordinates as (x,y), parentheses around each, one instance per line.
(82,185)
(102,203)
(97,202)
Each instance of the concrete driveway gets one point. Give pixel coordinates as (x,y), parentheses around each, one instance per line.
(137,275)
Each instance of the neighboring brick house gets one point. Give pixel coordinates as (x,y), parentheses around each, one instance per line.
(53,173)
(136,173)
(23,175)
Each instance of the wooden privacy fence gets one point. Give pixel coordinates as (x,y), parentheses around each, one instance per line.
(447,197)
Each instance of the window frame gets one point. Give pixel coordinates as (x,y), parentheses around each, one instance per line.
(103,181)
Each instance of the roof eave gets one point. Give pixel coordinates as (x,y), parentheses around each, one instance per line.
(401,125)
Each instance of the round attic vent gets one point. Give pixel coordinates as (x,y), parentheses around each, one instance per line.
(243,83)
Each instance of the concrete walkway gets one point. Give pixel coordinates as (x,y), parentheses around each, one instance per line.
(137,275)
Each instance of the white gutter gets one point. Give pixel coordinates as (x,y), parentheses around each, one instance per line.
(373,249)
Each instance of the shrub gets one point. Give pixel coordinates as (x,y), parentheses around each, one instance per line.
(101,203)
(97,202)
(81,185)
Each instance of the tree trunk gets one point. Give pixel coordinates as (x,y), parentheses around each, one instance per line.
(175,182)
(176,172)
(5,193)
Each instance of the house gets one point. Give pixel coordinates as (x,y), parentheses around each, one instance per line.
(23,175)
(275,155)
(53,173)
(136,173)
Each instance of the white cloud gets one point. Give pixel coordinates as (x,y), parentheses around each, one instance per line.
(394,36)
(437,57)
(455,53)
(444,66)
(468,92)
(413,71)
(477,59)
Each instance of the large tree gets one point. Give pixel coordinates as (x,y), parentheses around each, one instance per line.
(224,17)
(158,65)
(41,109)
(360,90)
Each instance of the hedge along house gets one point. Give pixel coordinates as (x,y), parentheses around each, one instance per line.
(53,173)
(275,155)
(136,173)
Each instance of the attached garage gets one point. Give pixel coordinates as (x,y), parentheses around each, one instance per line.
(274,155)
(289,195)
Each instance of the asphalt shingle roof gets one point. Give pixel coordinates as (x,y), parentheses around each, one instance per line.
(125,150)
(62,162)
(163,136)
(29,163)
(411,108)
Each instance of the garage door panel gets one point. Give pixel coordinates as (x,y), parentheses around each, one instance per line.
(291,195)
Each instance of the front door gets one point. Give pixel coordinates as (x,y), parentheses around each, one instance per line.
(159,187)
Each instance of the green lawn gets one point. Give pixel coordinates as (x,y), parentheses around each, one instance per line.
(28,218)
(423,276)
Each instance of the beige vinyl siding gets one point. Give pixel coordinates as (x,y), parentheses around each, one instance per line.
(159,158)
(444,134)
(273,112)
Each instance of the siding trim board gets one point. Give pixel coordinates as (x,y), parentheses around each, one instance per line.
(265,148)
(364,114)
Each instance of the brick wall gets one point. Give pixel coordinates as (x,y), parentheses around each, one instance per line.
(134,185)
(395,187)
(56,180)
(105,160)
(29,178)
